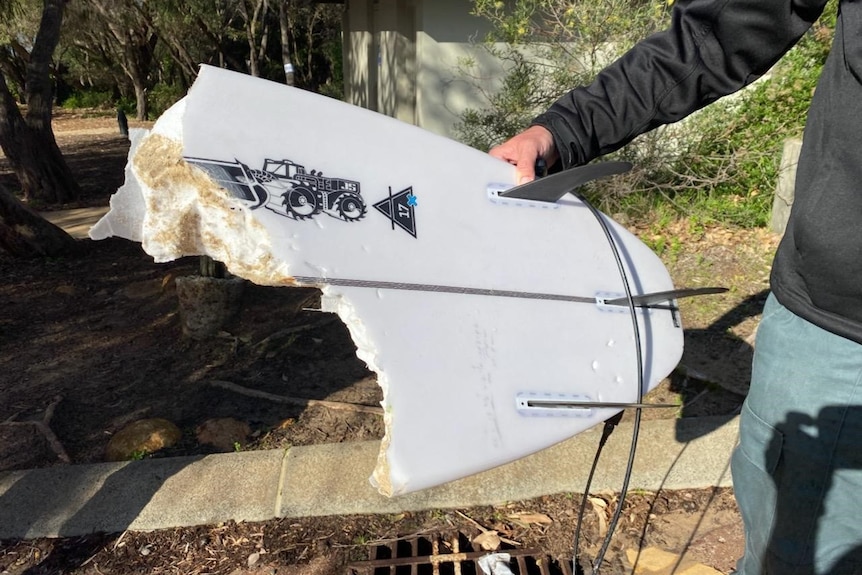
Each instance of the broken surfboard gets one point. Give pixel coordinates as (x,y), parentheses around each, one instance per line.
(480,314)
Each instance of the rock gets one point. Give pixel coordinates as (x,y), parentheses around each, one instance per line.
(224,433)
(653,561)
(207,303)
(142,437)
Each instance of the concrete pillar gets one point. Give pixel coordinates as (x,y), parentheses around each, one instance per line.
(396,41)
(406,48)
(387,35)
(360,65)
(785,189)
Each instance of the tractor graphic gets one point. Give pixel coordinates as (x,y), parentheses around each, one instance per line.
(287,188)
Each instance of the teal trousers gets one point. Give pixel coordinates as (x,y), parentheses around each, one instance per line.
(797,471)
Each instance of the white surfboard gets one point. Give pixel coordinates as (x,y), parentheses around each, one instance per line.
(471,308)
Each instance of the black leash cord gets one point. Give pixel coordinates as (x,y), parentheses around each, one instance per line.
(611,423)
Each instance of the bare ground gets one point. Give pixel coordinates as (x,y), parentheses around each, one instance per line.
(97,338)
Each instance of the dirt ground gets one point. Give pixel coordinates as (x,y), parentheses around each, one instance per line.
(95,342)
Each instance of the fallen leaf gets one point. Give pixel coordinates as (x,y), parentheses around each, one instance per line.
(488,541)
(599,509)
(528,518)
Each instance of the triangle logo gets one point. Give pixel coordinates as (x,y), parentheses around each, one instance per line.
(400,208)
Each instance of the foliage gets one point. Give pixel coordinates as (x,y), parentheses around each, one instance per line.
(315,43)
(163,96)
(89,99)
(19,23)
(113,51)
(548,46)
(510,108)
(99,53)
(720,164)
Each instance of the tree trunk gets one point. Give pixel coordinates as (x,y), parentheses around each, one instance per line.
(138,49)
(284,26)
(24,233)
(143,107)
(251,21)
(29,144)
(34,155)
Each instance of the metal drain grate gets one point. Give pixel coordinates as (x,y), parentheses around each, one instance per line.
(448,554)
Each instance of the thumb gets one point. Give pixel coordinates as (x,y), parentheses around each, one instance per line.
(525,169)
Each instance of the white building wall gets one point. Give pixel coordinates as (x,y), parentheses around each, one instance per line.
(408,58)
(448,37)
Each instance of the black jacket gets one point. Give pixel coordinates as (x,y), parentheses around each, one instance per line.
(714,48)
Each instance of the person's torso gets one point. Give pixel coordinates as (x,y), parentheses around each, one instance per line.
(818,268)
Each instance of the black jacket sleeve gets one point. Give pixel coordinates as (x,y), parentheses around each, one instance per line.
(712,48)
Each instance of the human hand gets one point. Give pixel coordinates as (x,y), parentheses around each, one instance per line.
(524,149)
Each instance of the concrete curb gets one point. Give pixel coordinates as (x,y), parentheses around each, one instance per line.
(332,479)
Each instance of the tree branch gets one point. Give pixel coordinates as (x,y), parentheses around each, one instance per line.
(298,401)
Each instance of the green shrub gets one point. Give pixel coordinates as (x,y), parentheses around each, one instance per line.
(548,47)
(163,96)
(88,99)
(729,154)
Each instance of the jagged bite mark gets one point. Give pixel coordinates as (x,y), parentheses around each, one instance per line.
(189,214)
